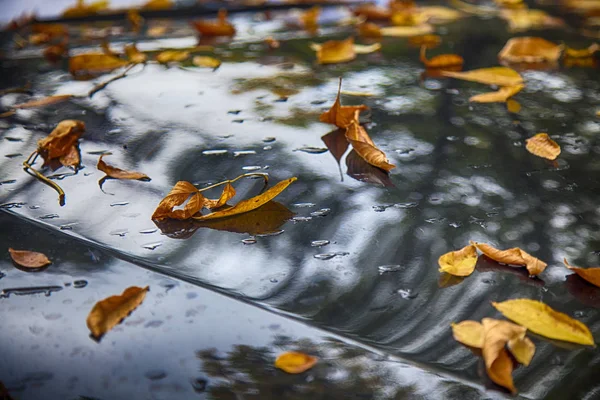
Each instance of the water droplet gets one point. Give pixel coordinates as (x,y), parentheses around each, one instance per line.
(389,268)
(274,233)
(47,290)
(452,138)
(119,232)
(455,224)
(2,275)
(152,246)
(342,253)
(60,177)
(303,205)
(282,99)
(580,314)
(8,206)
(115,131)
(49,216)
(240,153)
(148,231)
(34,207)
(312,150)
(488,281)
(321,213)
(325,256)
(318,102)
(80,284)
(492,214)
(155,374)
(214,152)
(273,280)
(268,148)
(435,220)
(252,168)
(199,385)
(301,219)
(8,182)
(52,316)
(381,208)
(119,203)
(13,139)
(98,152)
(249,240)
(408,294)
(13,155)
(237,121)
(319,243)
(269,139)
(153,324)
(68,227)
(234,112)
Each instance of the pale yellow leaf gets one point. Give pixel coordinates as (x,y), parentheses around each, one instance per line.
(460,262)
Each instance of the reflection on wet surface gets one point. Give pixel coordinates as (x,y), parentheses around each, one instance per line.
(462,174)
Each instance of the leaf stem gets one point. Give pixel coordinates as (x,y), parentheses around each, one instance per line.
(250,174)
(102,85)
(34,172)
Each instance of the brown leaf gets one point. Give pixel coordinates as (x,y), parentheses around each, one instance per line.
(514,256)
(542,146)
(460,262)
(44,101)
(294,362)
(499,96)
(56,52)
(91,64)
(28,259)
(501,76)
(441,61)
(220,27)
(135,19)
(341,116)
(118,173)
(60,141)
(109,312)
(363,145)
(592,275)
(469,333)
(429,41)
(530,50)
(176,197)
(72,158)
(369,29)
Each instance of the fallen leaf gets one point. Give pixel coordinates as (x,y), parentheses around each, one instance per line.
(134,55)
(372,12)
(157,5)
(117,173)
(541,319)
(109,312)
(60,141)
(438,14)
(469,333)
(53,30)
(168,56)
(513,106)
(359,169)
(514,256)
(499,96)
(135,19)
(406,31)
(81,9)
(294,362)
(429,41)
(272,42)
(369,29)
(338,115)
(228,193)
(501,76)
(105,46)
(28,259)
(498,364)
(542,146)
(530,50)
(43,102)
(220,27)
(522,349)
(176,197)
(309,18)
(335,51)
(460,262)
(592,275)
(366,49)
(56,52)
(363,145)
(91,64)
(249,204)
(72,158)
(524,19)
(205,61)
(440,61)
(582,53)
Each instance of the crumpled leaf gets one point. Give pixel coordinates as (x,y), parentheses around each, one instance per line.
(117,173)
(522,349)
(363,145)
(592,275)
(72,159)
(134,55)
(176,197)
(309,18)
(545,321)
(498,364)
(501,76)
(220,27)
(294,362)
(469,333)
(228,193)
(29,259)
(514,256)
(249,204)
(338,115)
(44,101)
(60,141)
(460,262)
(91,64)
(81,9)
(168,56)
(109,312)
(441,61)
(205,61)
(530,49)
(499,96)
(542,146)
(341,51)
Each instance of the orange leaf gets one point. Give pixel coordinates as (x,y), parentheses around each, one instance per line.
(118,173)
(498,364)
(176,197)
(43,102)
(514,256)
(592,275)
(441,61)
(406,31)
(109,312)
(59,142)
(310,18)
(582,53)
(168,56)
(363,145)
(542,146)
(338,115)
(28,259)
(429,41)
(220,27)
(369,29)
(499,96)
(205,61)
(90,64)
(294,362)
(228,193)
(529,50)
(335,51)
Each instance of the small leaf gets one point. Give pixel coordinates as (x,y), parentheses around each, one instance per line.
(592,275)
(43,102)
(294,362)
(497,362)
(176,197)
(501,76)
(29,259)
(406,31)
(117,173)
(335,51)
(366,49)
(499,96)
(363,145)
(459,263)
(514,256)
(542,146)
(338,115)
(109,312)
(167,56)
(205,61)
(469,333)
(309,18)
(90,64)
(543,320)
(530,50)
(441,61)
(372,12)
(582,53)
(60,141)
(220,27)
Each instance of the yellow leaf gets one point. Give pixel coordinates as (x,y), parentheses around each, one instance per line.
(582,53)
(249,204)
(500,96)
(309,18)
(514,256)
(335,51)
(157,5)
(363,145)
(338,115)
(362,49)
(460,263)
(205,61)
(294,362)
(176,197)
(369,29)
(513,106)
(134,55)
(438,14)
(59,142)
(453,61)
(469,333)
(524,19)
(228,193)
(168,56)
(592,275)
(109,312)
(28,259)
(530,50)
(543,320)
(522,349)
(406,31)
(43,102)
(135,19)
(542,146)
(429,41)
(90,64)
(118,173)
(501,76)
(81,9)
(220,27)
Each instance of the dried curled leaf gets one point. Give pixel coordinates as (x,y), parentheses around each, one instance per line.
(43,102)
(168,56)
(134,55)
(441,61)
(469,333)
(545,321)
(205,61)
(530,49)
(501,76)
(72,159)
(117,173)
(109,312)
(294,362)
(498,364)
(542,146)
(363,145)
(91,64)
(592,275)
(220,27)
(249,204)
(181,192)
(29,259)
(499,96)
(228,194)
(60,141)
(460,262)
(514,256)
(338,115)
